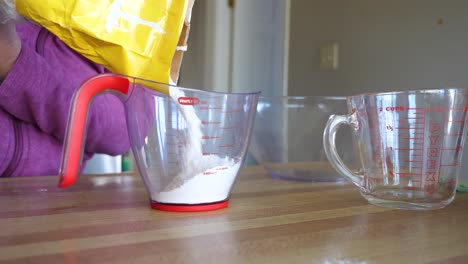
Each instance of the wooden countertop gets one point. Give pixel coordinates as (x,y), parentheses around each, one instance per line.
(107,219)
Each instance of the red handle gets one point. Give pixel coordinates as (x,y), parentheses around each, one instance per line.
(75,133)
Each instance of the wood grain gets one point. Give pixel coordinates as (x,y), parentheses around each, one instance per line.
(107,219)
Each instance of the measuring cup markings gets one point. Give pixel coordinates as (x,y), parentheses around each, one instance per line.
(210,154)
(406,123)
(232,111)
(433,152)
(209,137)
(211,123)
(210,108)
(230,127)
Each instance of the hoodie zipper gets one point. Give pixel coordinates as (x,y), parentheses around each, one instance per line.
(41,36)
(18,151)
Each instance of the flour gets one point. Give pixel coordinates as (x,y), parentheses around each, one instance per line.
(213,185)
(200,178)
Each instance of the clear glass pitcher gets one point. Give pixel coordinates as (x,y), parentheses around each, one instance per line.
(409,145)
(188,146)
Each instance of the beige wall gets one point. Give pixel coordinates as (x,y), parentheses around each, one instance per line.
(383,45)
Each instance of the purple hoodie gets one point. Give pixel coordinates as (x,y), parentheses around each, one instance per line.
(35,98)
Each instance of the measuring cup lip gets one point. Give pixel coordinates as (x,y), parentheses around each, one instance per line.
(298,97)
(142,81)
(414,91)
(215,92)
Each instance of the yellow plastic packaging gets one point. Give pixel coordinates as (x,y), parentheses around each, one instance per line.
(131,37)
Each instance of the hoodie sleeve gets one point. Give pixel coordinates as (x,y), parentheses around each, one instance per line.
(39,88)
(27,151)
(7,142)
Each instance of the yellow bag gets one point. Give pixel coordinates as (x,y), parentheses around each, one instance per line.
(131,37)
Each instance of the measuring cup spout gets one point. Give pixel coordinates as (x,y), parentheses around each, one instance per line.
(331,152)
(75,134)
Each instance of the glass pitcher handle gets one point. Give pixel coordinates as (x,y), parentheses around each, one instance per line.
(329,145)
(75,135)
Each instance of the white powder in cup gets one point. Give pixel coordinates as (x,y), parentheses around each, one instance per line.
(200,178)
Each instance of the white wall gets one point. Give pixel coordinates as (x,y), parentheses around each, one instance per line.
(383,45)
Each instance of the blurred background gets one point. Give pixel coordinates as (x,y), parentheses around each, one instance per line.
(326,47)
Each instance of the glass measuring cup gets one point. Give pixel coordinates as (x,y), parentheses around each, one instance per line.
(188,146)
(409,145)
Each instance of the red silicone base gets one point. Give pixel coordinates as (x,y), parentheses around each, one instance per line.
(189,207)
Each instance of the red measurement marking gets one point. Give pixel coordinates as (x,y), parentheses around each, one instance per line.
(210,123)
(416,108)
(421,176)
(409,128)
(449,165)
(454,135)
(459,109)
(409,138)
(209,137)
(230,127)
(457,148)
(415,123)
(411,117)
(412,188)
(209,172)
(227,146)
(457,121)
(210,108)
(209,154)
(412,160)
(408,174)
(447,182)
(443,140)
(406,149)
(418,133)
(222,168)
(232,111)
